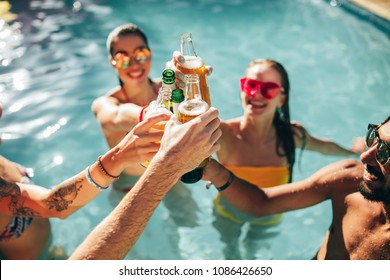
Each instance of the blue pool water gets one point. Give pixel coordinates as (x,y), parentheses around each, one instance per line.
(54,64)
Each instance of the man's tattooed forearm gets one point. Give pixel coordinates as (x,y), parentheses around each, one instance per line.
(64,196)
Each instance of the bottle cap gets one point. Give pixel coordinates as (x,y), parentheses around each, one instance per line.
(177,95)
(192,176)
(168,76)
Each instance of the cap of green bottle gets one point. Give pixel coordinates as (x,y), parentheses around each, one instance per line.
(177,95)
(168,76)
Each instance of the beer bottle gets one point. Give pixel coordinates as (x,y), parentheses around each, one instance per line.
(193,65)
(160,106)
(177,98)
(190,108)
(168,81)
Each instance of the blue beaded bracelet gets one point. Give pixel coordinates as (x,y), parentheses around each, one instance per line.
(91,181)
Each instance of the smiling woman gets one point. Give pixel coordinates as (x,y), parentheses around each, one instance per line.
(119,110)
(260,146)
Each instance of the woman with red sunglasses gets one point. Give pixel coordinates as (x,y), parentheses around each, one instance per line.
(259,147)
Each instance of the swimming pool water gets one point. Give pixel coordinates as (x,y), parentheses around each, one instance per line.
(54,64)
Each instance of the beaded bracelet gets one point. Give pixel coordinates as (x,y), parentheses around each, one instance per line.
(104,170)
(91,181)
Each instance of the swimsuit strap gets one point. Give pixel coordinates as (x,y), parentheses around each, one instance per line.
(125,95)
(15,228)
(155,90)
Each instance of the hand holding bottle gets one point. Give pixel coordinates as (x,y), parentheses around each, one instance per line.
(179,57)
(185,146)
(138,145)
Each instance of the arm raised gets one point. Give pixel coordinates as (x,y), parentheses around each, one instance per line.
(20,199)
(183,147)
(335,179)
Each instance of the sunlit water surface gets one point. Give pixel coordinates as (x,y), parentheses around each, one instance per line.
(54,64)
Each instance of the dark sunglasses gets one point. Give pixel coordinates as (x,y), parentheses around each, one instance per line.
(383,148)
(268,90)
(122,59)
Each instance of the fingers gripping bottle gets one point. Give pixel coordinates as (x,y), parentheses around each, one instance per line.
(193,65)
(161,106)
(190,108)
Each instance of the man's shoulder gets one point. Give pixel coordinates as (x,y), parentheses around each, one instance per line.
(350,165)
(340,177)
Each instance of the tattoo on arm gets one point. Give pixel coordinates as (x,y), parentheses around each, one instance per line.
(64,195)
(12,190)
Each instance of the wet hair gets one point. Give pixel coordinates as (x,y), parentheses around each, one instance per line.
(285,145)
(121,31)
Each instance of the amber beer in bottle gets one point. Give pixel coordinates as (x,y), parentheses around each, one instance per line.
(190,108)
(193,64)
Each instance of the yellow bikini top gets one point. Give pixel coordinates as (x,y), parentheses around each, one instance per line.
(262,176)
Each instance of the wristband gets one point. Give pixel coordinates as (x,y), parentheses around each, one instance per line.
(228,183)
(91,181)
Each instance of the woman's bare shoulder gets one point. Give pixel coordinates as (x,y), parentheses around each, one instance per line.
(230,125)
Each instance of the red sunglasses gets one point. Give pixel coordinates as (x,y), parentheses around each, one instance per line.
(268,90)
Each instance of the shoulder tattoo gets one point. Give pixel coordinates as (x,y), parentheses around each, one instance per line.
(16,205)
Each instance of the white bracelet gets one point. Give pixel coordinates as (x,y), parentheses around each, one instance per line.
(91,181)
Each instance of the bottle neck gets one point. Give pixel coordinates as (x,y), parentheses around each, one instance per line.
(192,87)
(164,96)
(187,46)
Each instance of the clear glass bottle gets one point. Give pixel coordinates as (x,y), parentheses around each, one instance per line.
(194,64)
(160,106)
(190,108)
